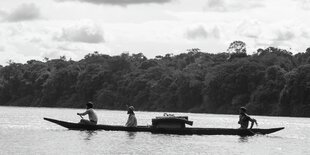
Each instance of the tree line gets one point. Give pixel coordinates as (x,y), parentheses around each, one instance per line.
(271,81)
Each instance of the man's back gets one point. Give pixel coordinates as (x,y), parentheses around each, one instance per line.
(132,121)
(92,115)
(244,120)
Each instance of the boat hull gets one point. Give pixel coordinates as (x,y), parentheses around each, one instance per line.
(181,131)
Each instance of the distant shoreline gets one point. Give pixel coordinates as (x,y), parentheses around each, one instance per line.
(271,82)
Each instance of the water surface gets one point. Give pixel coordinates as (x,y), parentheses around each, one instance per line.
(23,131)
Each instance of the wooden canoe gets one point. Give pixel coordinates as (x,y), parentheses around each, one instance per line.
(179,131)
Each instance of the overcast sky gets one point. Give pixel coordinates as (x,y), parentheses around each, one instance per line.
(34,29)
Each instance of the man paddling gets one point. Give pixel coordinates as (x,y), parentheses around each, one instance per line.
(244,119)
(132,120)
(91,115)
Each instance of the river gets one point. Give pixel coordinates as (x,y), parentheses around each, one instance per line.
(23,131)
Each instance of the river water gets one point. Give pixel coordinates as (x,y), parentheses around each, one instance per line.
(23,131)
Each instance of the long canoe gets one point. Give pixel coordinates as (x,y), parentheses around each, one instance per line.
(180,131)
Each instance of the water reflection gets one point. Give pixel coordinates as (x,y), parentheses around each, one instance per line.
(131,135)
(243,139)
(272,136)
(89,134)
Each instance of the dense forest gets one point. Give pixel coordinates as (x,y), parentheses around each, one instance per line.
(270,81)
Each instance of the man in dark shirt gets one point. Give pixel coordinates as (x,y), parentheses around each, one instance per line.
(244,119)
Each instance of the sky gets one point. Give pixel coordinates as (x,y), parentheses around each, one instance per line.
(35,29)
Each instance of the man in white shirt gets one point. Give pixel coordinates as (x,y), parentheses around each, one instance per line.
(91,115)
(132,120)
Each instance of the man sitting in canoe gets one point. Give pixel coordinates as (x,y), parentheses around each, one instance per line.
(132,120)
(244,119)
(91,115)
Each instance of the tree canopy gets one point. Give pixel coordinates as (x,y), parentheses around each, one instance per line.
(271,81)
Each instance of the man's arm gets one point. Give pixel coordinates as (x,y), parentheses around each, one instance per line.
(252,122)
(84,113)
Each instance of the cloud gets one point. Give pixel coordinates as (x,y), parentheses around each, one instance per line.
(201,33)
(249,28)
(282,33)
(121,2)
(285,35)
(229,5)
(215,5)
(196,33)
(2,48)
(24,12)
(304,4)
(82,32)
(216,33)
(2,13)
(305,33)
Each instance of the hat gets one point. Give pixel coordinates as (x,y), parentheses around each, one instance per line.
(131,108)
(243,108)
(90,104)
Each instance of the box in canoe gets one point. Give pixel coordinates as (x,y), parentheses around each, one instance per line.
(171,122)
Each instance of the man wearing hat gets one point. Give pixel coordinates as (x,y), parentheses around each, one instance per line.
(91,115)
(244,119)
(132,120)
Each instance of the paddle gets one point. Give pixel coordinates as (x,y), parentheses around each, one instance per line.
(252,132)
(80,116)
